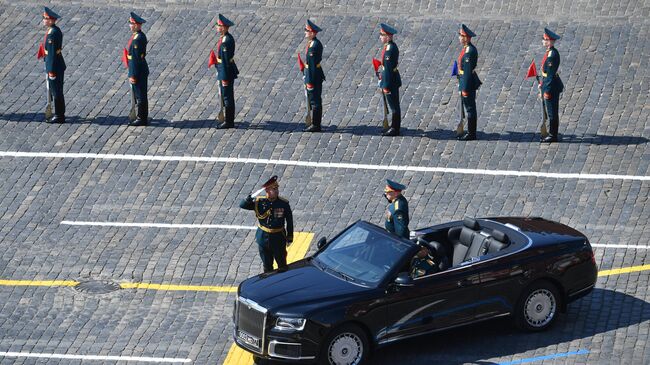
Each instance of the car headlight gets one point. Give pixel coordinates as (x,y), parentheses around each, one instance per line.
(288,324)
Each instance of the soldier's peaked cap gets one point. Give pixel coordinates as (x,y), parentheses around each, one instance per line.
(548,34)
(393,186)
(466,31)
(49,13)
(224,21)
(136,19)
(385,28)
(271,183)
(310,26)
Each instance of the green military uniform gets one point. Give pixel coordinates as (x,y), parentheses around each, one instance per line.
(552,86)
(139,71)
(51,52)
(227,72)
(274,227)
(423,266)
(468,82)
(397,212)
(391,80)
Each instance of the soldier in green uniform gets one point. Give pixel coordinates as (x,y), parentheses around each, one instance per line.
(314,75)
(551,84)
(50,51)
(227,70)
(468,81)
(423,264)
(138,69)
(274,226)
(397,212)
(391,80)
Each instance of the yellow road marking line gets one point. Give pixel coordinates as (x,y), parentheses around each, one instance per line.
(624,270)
(172,287)
(38,283)
(297,250)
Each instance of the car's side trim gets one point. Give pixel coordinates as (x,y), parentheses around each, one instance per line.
(383,342)
(577,293)
(272,352)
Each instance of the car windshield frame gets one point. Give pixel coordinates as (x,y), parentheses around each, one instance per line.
(361,254)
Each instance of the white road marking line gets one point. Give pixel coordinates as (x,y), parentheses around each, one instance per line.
(96,357)
(336,165)
(157,225)
(620,246)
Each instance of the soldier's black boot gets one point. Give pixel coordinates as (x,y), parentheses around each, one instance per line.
(229,117)
(470,135)
(59,111)
(143,115)
(395,126)
(316,118)
(552,136)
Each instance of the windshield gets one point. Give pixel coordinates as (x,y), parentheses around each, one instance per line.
(361,255)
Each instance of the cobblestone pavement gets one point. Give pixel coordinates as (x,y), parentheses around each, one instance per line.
(604,128)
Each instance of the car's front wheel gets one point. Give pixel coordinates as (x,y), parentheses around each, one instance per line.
(537,307)
(346,345)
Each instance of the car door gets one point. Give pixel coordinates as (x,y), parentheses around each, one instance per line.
(501,280)
(434,302)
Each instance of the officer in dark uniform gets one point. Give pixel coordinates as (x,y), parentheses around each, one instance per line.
(397,212)
(55,67)
(551,85)
(390,78)
(275,224)
(468,81)
(226,70)
(138,69)
(314,75)
(423,264)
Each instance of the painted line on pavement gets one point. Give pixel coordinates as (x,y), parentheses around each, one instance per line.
(96,357)
(634,247)
(336,165)
(546,357)
(297,250)
(157,225)
(624,270)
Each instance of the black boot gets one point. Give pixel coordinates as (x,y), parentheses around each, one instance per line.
(229,118)
(395,125)
(470,135)
(59,111)
(143,115)
(316,117)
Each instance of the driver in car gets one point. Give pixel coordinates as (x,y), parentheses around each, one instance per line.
(423,264)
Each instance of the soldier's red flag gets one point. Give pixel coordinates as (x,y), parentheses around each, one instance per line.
(376,63)
(212,60)
(41,52)
(125,57)
(532,70)
(301,65)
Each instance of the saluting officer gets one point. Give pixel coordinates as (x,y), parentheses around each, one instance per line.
(226,70)
(314,75)
(274,226)
(397,212)
(468,81)
(138,69)
(55,67)
(390,78)
(551,85)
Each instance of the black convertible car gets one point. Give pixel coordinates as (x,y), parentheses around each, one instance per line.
(359,290)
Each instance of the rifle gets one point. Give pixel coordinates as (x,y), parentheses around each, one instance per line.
(213,61)
(301,66)
(376,63)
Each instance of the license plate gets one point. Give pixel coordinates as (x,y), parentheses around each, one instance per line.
(248,339)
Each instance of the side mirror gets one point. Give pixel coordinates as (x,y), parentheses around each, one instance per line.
(321,242)
(404,279)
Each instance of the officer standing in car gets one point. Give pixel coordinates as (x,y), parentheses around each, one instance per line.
(274,226)
(397,212)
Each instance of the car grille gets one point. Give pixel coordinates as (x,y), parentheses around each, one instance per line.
(250,323)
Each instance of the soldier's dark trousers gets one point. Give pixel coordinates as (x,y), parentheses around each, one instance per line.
(228,95)
(469,103)
(552,109)
(393,105)
(272,246)
(316,103)
(56,90)
(141,100)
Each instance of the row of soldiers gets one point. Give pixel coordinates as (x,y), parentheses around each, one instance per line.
(386,68)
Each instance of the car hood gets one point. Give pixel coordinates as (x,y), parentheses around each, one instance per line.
(299,290)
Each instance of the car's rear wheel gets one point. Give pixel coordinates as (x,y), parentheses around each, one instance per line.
(346,345)
(538,307)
